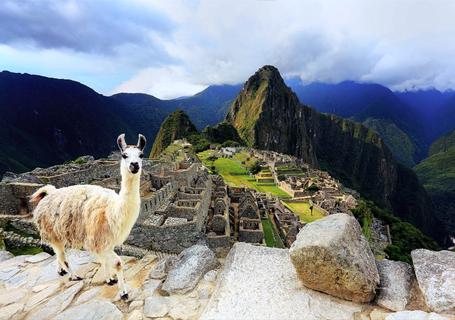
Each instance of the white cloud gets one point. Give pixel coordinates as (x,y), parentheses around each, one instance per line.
(164,82)
(173,48)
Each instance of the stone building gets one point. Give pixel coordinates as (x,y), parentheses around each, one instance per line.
(218,223)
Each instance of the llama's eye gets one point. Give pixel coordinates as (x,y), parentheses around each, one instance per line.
(141,155)
(124,156)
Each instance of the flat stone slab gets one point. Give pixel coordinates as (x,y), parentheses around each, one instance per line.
(435,272)
(395,288)
(261,283)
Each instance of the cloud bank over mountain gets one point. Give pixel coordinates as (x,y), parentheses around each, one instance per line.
(175,48)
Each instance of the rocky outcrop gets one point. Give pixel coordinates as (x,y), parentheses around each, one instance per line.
(191,266)
(177,125)
(268,115)
(261,283)
(395,284)
(32,289)
(5,255)
(332,255)
(415,315)
(435,272)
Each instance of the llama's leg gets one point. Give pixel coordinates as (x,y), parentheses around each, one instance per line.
(63,266)
(106,263)
(118,267)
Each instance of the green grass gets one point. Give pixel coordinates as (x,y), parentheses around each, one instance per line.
(236,174)
(18,251)
(302,209)
(272,239)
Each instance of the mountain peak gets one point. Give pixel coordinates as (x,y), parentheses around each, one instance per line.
(263,97)
(177,125)
(267,73)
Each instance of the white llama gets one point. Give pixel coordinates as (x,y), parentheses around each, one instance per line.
(92,217)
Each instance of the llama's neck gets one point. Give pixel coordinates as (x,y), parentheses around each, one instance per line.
(129,203)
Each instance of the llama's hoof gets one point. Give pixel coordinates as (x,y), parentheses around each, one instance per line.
(124,296)
(62,272)
(75,278)
(111,282)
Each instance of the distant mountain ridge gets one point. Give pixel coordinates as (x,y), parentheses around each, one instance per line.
(47,121)
(437,173)
(268,115)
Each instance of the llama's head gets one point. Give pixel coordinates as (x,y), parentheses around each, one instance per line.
(131,154)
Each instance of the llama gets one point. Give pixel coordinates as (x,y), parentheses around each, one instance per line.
(92,217)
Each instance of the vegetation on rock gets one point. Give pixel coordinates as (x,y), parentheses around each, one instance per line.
(268,115)
(405,236)
(437,173)
(176,126)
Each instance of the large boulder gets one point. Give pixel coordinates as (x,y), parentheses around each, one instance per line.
(395,284)
(435,272)
(332,255)
(191,266)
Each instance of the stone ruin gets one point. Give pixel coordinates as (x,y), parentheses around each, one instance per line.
(175,198)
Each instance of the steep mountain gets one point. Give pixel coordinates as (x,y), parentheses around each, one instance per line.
(446,118)
(205,108)
(177,125)
(431,105)
(376,107)
(47,121)
(399,143)
(437,173)
(268,115)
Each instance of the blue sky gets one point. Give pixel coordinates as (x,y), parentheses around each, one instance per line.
(175,48)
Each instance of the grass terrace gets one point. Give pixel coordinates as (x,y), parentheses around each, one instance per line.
(302,209)
(236,174)
(272,239)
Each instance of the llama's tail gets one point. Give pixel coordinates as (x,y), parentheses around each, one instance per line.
(41,193)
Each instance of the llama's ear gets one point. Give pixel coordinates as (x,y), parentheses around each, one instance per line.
(121,142)
(141,142)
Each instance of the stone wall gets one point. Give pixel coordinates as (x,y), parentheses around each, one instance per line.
(14,197)
(152,232)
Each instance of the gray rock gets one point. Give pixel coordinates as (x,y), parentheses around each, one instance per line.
(155,307)
(210,276)
(332,255)
(11,311)
(12,296)
(395,285)
(38,257)
(435,272)
(5,255)
(94,310)
(57,304)
(415,315)
(261,283)
(162,267)
(191,266)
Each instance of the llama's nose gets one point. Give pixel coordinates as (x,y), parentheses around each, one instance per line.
(134,167)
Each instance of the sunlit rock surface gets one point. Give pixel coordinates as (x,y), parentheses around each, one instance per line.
(435,272)
(30,288)
(332,255)
(261,283)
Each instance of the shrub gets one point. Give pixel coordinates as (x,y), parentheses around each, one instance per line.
(255,168)
(313,188)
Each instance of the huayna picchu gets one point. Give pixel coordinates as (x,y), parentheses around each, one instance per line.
(268,115)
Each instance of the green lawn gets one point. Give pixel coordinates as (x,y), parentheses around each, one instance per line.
(235,174)
(272,239)
(302,209)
